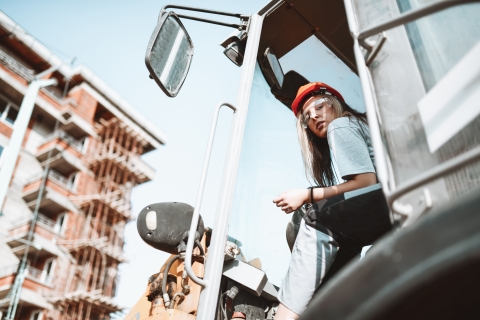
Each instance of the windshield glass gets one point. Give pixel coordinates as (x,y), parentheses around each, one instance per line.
(271,161)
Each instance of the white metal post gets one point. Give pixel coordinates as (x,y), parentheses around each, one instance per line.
(19,128)
(214,265)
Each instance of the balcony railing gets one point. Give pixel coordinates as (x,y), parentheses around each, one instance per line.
(30,272)
(28,74)
(136,164)
(54,176)
(39,275)
(53,93)
(58,178)
(65,137)
(40,219)
(16,66)
(8,270)
(129,159)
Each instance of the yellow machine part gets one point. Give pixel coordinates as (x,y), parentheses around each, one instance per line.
(185,309)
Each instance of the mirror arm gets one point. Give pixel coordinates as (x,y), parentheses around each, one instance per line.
(172,6)
(232,25)
(245,19)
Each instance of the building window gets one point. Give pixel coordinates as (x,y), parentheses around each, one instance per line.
(47,272)
(73,181)
(61,223)
(36,315)
(8,111)
(85,145)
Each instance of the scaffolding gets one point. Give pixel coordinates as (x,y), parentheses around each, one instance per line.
(113,159)
(86,277)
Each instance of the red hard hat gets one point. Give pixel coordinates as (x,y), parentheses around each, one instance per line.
(306,91)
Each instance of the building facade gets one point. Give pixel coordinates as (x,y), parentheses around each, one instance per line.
(71,186)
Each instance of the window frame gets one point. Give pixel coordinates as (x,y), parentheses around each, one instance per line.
(37,312)
(60,228)
(10,105)
(47,275)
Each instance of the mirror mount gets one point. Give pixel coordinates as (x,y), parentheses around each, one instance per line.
(242,26)
(272,68)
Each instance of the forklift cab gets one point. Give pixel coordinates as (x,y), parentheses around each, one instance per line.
(411,65)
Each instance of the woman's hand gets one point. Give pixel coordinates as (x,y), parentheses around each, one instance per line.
(291,200)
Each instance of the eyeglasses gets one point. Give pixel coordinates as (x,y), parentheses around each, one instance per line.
(317,108)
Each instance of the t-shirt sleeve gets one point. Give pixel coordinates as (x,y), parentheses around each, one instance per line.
(349,150)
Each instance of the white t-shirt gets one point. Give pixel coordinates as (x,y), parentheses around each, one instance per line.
(351,147)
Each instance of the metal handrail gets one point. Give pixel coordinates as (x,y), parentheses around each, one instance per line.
(222,13)
(436,172)
(39,275)
(17,67)
(57,177)
(198,203)
(59,133)
(410,16)
(41,219)
(54,176)
(393,193)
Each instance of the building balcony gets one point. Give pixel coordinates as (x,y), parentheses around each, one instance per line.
(39,247)
(74,125)
(34,278)
(142,171)
(53,176)
(100,303)
(61,135)
(83,246)
(16,67)
(55,195)
(31,273)
(44,226)
(125,160)
(64,152)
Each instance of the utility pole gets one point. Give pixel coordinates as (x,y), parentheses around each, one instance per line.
(19,128)
(8,166)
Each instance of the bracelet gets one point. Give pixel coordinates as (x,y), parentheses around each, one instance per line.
(312,201)
(311,194)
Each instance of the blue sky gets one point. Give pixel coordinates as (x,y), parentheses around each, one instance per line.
(111,37)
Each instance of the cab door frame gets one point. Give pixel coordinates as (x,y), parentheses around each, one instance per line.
(214,265)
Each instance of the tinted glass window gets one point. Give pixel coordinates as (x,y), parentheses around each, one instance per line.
(3,105)
(12,114)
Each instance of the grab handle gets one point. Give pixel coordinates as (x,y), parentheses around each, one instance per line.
(198,203)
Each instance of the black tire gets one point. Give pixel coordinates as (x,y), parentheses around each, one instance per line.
(430,270)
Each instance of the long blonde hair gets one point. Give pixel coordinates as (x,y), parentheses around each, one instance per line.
(315,150)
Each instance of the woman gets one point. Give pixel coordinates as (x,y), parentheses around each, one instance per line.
(344,216)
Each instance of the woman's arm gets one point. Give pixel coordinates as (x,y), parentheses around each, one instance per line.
(357,181)
(291,200)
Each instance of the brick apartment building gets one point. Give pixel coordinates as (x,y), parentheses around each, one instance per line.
(91,141)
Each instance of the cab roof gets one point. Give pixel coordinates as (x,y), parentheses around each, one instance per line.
(289,23)
(292,22)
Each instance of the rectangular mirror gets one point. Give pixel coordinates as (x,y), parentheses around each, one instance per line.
(169,54)
(273,68)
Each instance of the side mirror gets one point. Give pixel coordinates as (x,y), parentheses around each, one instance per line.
(169,54)
(165,226)
(273,68)
(235,46)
